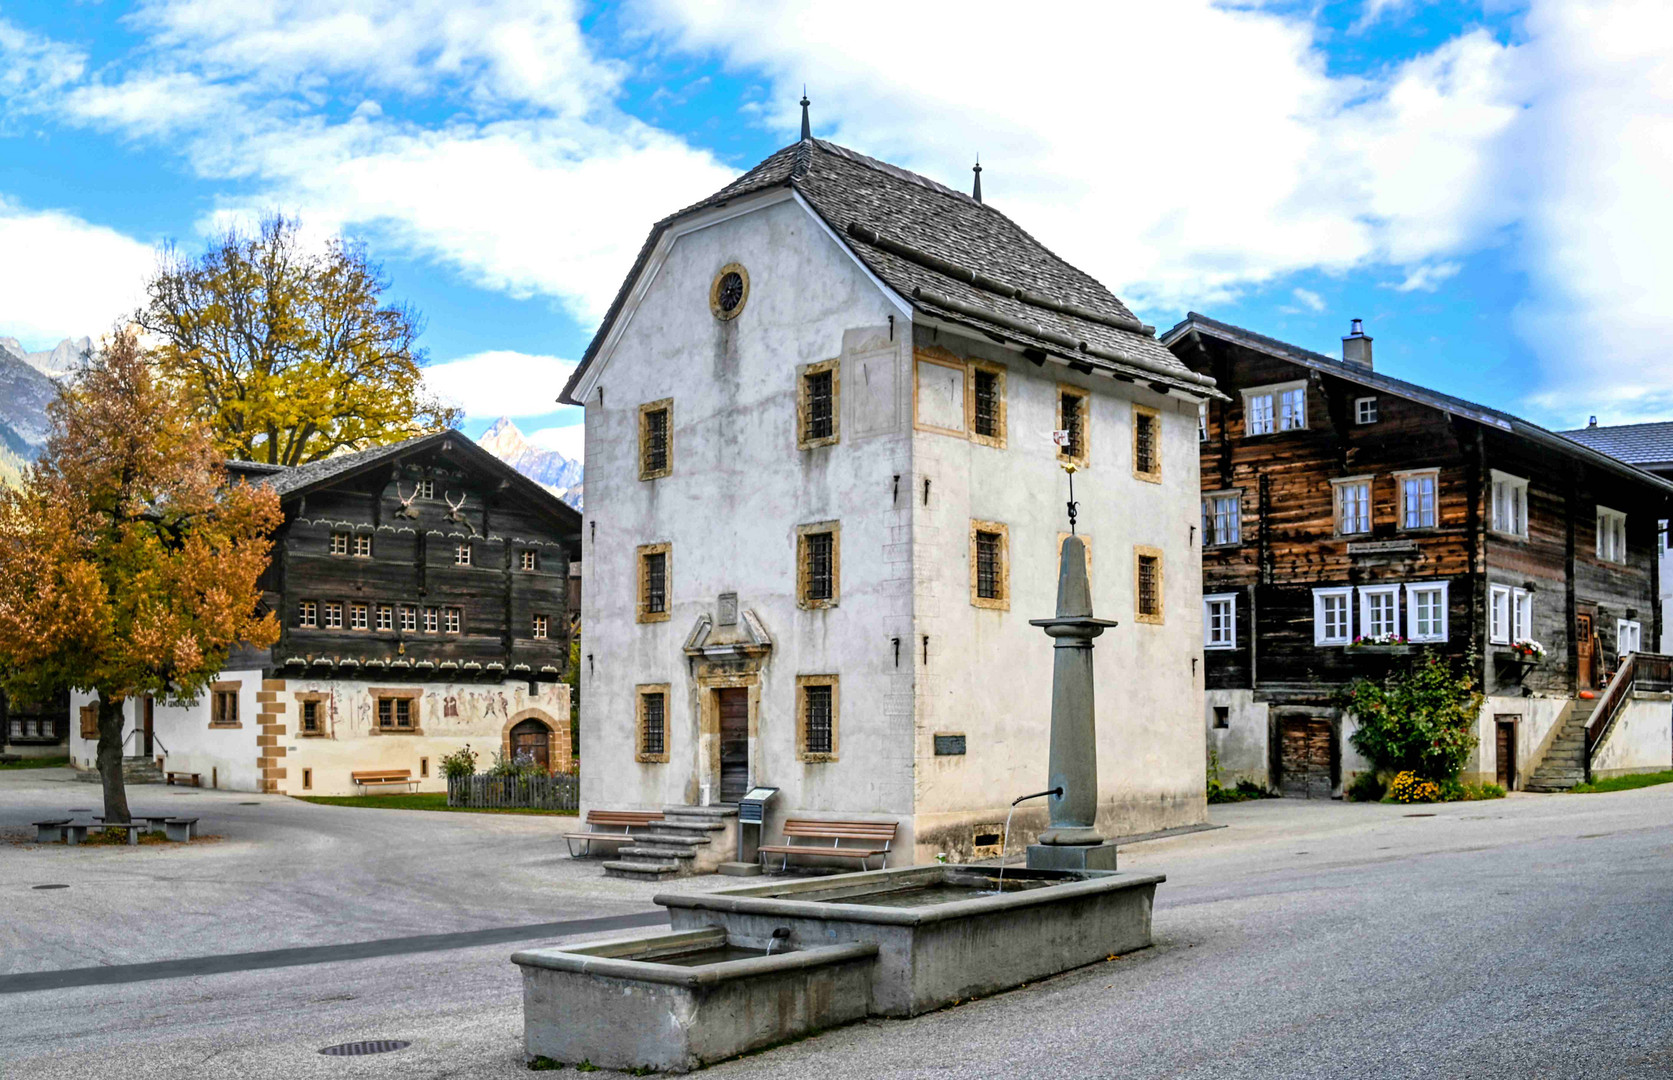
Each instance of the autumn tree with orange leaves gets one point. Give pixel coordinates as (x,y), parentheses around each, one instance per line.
(127,565)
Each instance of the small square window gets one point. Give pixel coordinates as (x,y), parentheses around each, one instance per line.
(1426,612)
(1332,616)
(363,545)
(529,561)
(333,616)
(540,627)
(655,439)
(461,555)
(1222,716)
(307,614)
(1365,410)
(1379,612)
(339,543)
(453,618)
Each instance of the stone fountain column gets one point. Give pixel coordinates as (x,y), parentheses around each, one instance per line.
(1072,842)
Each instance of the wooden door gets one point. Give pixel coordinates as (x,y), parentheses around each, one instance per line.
(145,727)
(1505,748)
(733,706)
(1304,757)
(1584,639)
(531,737)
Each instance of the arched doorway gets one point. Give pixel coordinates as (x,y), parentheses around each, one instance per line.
(533,738)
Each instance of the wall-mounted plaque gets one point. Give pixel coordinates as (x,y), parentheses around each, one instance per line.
(728,610)
(949,745)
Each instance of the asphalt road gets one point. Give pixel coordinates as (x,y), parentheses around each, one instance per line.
(1527,937)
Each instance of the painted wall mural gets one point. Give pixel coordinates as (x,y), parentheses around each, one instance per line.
(454,709)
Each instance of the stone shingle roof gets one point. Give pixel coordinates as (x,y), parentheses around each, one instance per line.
(1562,442)
(1638,444)
(950,257)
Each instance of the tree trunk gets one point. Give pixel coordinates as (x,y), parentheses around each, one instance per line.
(110,759)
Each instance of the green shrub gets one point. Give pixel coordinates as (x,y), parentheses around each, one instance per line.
(1243,792)
(1366,787)
(1420,721)
(462,762)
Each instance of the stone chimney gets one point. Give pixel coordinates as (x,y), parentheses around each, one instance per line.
(1356,347)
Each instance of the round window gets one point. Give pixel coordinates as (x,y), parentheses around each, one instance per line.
(729,291)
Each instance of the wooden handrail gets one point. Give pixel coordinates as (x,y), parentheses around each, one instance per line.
(1649,667)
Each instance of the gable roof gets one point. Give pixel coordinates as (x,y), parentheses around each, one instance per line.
(294,481)
(1195,323)
(952,258)
(1638,444)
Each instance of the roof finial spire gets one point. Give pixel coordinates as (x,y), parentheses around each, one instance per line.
(807,129)
(976,189)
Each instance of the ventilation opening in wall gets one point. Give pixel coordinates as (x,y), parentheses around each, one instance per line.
(307,779)
(215,777)
(985,842)
(423,766)
(1222,716)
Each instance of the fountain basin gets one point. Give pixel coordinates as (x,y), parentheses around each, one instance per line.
(942,933)
(679,1001)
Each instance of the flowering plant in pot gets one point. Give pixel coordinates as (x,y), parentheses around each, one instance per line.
(1528,649)
(1365,641)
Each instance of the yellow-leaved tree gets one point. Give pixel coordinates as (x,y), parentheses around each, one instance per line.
(289,352)
(128,566)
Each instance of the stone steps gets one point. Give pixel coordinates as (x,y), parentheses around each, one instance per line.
(685,839)
(669,847)
(1564,764)
(641,870)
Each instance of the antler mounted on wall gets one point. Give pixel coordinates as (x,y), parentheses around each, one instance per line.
(406,510)
(456,511)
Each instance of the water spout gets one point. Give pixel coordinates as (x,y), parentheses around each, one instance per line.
(1005,839)
(780,936)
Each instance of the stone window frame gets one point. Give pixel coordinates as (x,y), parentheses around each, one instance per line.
(1141,415)
(1002,602)
(999,372)
(1083,396)
(666,550)
(1159,616)
(414,695)
(640,693)
(714,292)
(666,407)
(804,566)
(317,698)
(1401,479)
(220,692)
(803,754)
(307,614)
(804,441)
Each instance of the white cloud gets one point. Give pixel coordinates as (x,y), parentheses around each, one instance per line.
(1177,175)
(500,383)
(1428,277)
(65,277)
(568,440)
(1312,299)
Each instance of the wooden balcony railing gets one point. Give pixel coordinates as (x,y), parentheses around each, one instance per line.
(1638,671)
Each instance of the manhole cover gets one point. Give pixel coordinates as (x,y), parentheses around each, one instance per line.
(49,886)
(366,1046)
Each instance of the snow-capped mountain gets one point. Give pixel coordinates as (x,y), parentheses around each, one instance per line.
(548,468)
(55,362)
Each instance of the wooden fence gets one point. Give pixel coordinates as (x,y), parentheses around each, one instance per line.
(559,792)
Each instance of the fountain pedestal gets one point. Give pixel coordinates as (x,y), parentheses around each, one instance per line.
(1072,842)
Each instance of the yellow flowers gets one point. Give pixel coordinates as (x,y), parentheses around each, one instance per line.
(1408,787)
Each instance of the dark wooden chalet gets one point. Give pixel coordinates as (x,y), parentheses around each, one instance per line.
(1341,504)
(428,559)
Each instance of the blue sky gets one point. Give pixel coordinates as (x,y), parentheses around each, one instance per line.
(1484,184)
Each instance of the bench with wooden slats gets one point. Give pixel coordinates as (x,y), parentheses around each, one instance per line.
(383,777)
(195,779)
(870,834)
(598,821)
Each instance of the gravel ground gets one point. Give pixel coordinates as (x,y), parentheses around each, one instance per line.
(1531,936)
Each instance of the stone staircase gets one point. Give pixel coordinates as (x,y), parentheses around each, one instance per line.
(1564,763)
(689,840)
(135,770)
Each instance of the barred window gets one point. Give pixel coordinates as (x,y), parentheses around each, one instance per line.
(989,565)
(394,713)
(310,717)
(1149,586)
(654,734)
(1147,453)
(656,582)
(653,443)
(820,562)
(1071,407)
(307,614)
(821,422)
(986,389)
(817,718)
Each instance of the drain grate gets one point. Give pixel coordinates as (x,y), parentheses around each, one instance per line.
(366,1046)
(49,886)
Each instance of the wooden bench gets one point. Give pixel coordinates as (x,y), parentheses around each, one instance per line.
(600,820)
(384,777)
(196,779)
(872,833)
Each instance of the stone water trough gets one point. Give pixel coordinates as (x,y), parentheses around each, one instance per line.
(884,943)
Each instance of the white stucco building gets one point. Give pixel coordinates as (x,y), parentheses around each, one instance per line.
(824,500)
